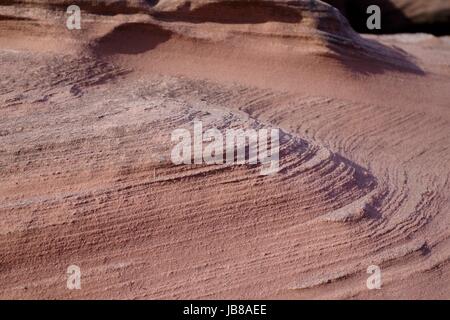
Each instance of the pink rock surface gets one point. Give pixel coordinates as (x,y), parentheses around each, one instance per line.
(86,177)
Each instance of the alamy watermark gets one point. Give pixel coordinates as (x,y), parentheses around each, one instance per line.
(74,19)
(73,277)
(374,281)
(237,146)
(374,20)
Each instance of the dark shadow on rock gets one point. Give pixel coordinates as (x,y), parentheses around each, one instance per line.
(152,2)
(131,38)
(393,19)
(367,56)
(372,213)
(231,12)
(425,249)
(364,179)
(14,18)
(361,54)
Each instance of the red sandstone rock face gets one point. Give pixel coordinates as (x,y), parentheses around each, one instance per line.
(86,177)
(398,15)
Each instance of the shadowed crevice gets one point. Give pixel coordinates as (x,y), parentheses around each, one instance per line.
(393,18)
(232,12)
(131,38)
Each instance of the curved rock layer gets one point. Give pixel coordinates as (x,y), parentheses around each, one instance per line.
(85,141)
(431,16)
(300,27)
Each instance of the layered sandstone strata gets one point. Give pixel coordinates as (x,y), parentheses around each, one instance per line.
(86,176)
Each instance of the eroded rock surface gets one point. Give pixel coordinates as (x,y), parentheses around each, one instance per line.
(85,141)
